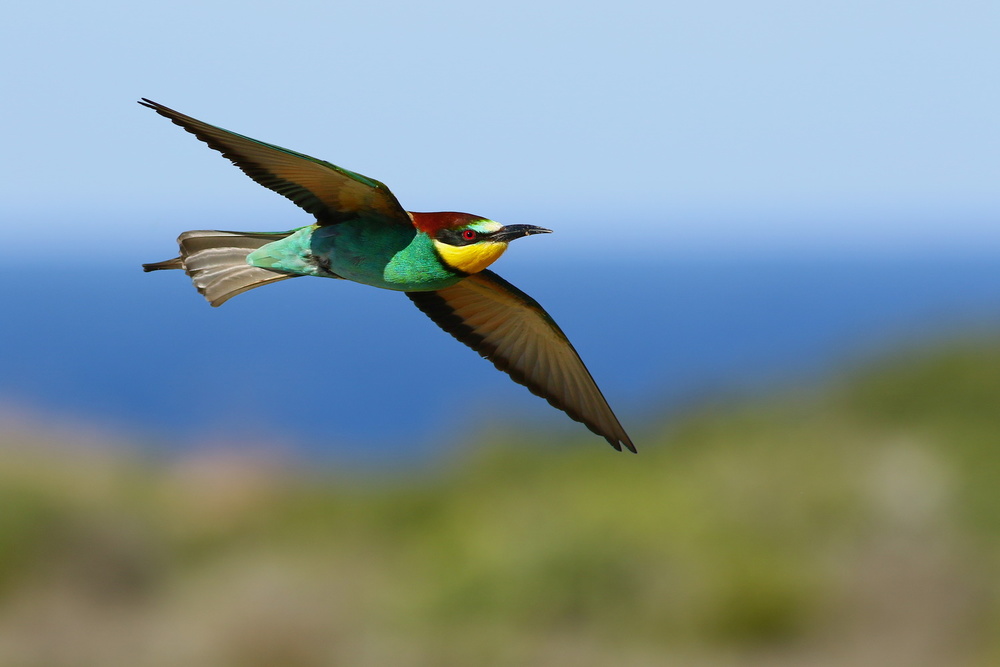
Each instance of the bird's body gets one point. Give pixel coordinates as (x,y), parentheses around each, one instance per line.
(372,253)
(362,234)
(397,259)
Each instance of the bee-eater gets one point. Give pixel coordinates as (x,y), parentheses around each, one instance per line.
(361,233)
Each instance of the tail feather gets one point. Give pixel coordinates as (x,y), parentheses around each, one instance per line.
(175,263)
(216,262)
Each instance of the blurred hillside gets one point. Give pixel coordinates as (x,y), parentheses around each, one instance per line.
(853,524)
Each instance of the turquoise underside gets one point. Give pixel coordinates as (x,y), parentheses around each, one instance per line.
(370,252)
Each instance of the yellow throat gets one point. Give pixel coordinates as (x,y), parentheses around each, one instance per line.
(470,258)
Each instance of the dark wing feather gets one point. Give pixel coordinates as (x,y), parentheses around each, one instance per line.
(509,328)
(330,193)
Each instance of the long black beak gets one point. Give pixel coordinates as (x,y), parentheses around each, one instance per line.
(511,232)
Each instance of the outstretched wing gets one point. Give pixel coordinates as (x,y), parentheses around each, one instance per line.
(330,193)
(509,328)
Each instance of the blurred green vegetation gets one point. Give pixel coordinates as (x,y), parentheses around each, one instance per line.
(853,524)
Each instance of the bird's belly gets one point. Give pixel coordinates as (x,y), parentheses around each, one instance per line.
(372,254)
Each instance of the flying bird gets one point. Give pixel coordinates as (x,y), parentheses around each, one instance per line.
(361,233)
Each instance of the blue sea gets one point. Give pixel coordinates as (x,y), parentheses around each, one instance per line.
(324,367)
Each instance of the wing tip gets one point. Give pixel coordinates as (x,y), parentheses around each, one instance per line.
(618,441)
(175,117)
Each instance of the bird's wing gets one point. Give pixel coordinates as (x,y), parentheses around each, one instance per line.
(330,193)
(509,328)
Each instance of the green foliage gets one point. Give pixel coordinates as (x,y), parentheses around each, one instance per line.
(853,526)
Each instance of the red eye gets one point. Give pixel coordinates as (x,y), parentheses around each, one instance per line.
(469,234)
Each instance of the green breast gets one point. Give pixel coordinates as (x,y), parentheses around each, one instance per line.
(369,252)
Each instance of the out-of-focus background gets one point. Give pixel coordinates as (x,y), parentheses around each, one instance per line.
(777,247)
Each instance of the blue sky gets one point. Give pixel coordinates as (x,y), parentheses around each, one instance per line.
(716,125)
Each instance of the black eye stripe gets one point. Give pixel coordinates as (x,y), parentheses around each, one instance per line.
(456,237)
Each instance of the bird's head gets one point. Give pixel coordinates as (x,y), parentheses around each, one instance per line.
(467,242)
